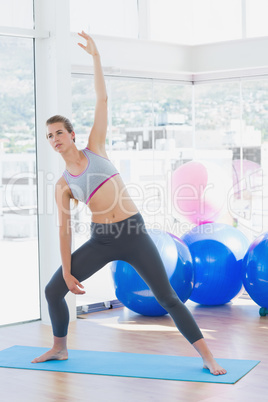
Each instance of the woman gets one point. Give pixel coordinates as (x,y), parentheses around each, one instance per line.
(118,231)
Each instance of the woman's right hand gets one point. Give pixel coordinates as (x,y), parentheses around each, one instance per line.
(73,285)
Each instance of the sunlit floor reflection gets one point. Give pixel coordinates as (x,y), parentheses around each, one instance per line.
(126,320)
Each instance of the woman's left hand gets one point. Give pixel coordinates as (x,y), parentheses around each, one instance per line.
(90,47)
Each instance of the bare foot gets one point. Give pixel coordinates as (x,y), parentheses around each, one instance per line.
(52,354)
(211,364)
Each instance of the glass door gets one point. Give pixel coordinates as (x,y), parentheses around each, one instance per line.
(19,296)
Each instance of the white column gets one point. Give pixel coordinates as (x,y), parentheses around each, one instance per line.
(53,96)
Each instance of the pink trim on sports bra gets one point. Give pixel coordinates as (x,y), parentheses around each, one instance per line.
(96,189)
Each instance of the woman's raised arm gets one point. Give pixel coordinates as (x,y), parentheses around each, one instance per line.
(97,137)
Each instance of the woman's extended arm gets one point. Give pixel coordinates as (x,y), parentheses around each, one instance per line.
(97,137)
(63,202)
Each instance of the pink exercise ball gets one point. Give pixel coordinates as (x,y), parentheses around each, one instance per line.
(200,191)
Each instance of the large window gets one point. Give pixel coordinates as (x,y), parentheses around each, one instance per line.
(156,127)
(216,20)
(105,17)
(175,21)
(195,22)
(19,296)
(256,18)
(16,13)
(171,21)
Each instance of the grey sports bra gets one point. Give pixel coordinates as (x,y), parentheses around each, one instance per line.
(98,171)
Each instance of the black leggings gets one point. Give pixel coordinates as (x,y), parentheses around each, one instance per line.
(129,241)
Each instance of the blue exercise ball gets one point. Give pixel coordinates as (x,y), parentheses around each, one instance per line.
(217,251)
(255,272)
(133,292)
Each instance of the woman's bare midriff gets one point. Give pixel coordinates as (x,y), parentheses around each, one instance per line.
(112,203)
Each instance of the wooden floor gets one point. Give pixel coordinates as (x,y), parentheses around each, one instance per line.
(232,331)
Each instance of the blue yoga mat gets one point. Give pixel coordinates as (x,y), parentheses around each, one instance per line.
(163,367)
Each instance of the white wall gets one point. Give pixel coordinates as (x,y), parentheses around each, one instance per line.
(233,55)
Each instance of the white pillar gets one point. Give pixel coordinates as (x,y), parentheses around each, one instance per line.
(53,96)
